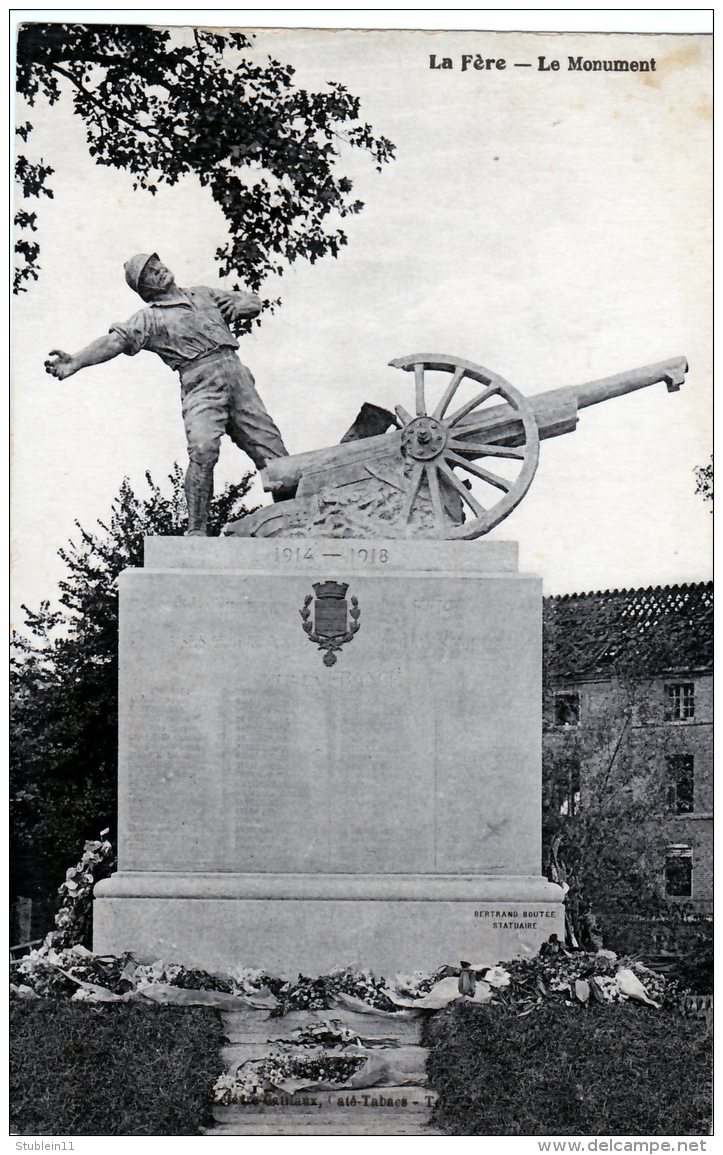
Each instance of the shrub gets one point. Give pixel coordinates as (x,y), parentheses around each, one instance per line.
(131,1069)
(559,1070)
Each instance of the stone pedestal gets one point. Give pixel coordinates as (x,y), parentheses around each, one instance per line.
(280,810)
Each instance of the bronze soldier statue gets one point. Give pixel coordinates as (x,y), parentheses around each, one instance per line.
(189,330)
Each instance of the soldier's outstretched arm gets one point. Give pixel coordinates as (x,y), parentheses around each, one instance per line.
(104,349)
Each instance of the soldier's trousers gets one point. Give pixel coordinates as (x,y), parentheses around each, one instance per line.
(219,396)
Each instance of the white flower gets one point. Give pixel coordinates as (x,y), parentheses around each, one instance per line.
(497,977)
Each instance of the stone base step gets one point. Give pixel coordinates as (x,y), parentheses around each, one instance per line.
(237,1053)
(366,1103)
(329,1125)
(376,1111)
(396,1110)
(255,1026)
(409,1060)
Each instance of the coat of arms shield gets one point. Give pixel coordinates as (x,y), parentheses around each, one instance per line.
(330,629)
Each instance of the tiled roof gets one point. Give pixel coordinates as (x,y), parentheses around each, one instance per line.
(644,631)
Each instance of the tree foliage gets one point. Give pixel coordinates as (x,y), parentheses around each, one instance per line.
(64,670)
(162,108)
(605,809)
(599,845)
(704,480)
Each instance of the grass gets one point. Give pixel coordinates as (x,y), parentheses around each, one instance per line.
(602,1070)
(112,1070)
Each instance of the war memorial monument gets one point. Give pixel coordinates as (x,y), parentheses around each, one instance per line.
(330,717)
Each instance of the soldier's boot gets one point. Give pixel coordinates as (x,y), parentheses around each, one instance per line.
(198,485)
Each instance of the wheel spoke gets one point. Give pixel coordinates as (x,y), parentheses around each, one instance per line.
(448,395)
(478,400)
(461,488)
(415,478)
(430,468)
(419,390)
(492,478)
(485,450)
(402,414)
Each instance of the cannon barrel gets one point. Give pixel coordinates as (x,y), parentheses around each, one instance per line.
(555,412)
(672,372)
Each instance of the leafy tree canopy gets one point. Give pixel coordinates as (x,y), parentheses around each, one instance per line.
(161,109)
(64,688)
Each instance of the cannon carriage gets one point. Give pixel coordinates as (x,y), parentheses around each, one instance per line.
(453,469)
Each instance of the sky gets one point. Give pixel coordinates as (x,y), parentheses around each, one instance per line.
(551,226)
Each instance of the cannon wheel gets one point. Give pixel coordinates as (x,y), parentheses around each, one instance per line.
(439,445)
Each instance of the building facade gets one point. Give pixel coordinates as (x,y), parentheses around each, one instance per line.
(628,759)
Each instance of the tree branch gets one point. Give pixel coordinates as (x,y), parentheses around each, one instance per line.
(119,115)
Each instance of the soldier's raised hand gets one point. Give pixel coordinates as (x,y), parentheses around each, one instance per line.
(63,365)
(229,310)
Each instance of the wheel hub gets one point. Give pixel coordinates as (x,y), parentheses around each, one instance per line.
(424,438)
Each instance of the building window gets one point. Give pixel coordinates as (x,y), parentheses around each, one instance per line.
(679,701)
(679,871)
(567,709)
(680,783)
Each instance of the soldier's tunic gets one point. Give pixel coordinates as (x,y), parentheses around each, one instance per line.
(218,392)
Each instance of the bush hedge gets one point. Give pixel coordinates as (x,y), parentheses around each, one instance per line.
(619,1069)
(131,1069)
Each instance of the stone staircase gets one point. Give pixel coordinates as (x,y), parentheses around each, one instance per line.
(400,1109)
